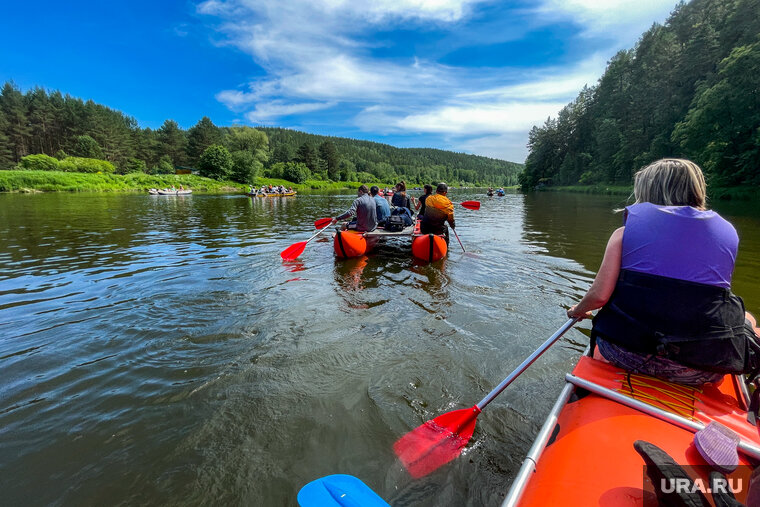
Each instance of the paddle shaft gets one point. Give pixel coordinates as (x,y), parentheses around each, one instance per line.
(524,365)
(316,234)
(460,241)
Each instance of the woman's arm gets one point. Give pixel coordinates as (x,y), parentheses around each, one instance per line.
(604,283)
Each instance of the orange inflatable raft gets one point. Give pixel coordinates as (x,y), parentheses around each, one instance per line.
(584,455)
(348,243)
(425,247)
(429,247)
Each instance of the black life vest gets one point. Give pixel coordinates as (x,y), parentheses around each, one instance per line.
(694,324)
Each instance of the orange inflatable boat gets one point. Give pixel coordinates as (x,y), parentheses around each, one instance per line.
(584,454)
(425,247)
(349,243)
(429,247)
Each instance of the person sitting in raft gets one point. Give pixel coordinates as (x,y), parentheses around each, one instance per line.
(420,206)
(364,209)
(438,211)
(382,209)
(400,199)
(664,286)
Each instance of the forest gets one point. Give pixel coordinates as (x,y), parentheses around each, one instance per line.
(689,88)
(47,130)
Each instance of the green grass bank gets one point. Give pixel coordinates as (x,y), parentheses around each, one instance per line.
(58,181)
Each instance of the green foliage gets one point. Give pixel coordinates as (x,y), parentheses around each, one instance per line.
(164,166)
(85,165)
(134,165)
(275,170)
(215,163)
(688,88)
(245,167)
(56,181)
(51,123)
(387,163)
(306,155)
(241,138)
(722,127)
(282,153)
(201,136)
(39,162)
(296,172)
(329,160)
(86,146)
(173,142)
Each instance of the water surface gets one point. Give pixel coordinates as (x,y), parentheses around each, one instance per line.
(156,350)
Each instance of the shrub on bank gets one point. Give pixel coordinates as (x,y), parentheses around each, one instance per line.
(85,165)
(39,162)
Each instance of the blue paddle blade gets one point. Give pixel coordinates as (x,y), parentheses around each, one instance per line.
(339,490)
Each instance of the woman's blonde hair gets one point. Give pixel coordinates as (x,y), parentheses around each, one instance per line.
(671,182)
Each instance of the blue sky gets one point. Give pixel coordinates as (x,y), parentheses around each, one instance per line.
(465,75)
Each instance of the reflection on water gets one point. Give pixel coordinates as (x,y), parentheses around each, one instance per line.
(156,350)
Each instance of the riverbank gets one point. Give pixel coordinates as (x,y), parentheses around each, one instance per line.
(57,181)
(715,193)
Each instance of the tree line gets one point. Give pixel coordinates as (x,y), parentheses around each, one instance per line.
(689,88)
(48,130)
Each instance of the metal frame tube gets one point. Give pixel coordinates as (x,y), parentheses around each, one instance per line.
(748,449)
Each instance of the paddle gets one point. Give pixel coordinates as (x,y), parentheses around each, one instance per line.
(440,440)
(339,490)
(473,205)
(460,241)
(296,249)
(322,222)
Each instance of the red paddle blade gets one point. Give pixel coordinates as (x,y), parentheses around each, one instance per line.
(438,441)
(475,205)
(322,223)
(293,251)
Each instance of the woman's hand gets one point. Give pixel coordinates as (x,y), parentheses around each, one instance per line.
(573,313)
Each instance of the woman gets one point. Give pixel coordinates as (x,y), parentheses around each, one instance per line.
(664,285)
(420,207)
(400,199)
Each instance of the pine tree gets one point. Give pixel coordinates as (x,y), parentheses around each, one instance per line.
(306,155)
(17,125)
(329,160)
(173,142)
(200,136)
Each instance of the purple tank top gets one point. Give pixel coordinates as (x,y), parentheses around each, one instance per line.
(679,242)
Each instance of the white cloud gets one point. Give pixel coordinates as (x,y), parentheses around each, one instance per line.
(317,55)
(622,20)
(267,111)
(511,146)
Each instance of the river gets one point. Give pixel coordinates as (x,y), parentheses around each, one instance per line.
(157,351)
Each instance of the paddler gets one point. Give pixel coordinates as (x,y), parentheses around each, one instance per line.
(664,286)
(382,208)
(364,209)
(438,211)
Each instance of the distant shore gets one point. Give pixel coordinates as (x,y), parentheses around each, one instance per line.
(21,181)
